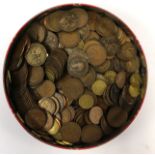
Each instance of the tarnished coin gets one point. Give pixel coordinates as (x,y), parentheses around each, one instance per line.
(95,114)
(72,87)
(48,104)
(49,122)
(55,128)
(128,51)
(122,37)
(89,78)
(112,46)
(69,39)
(92,19)
(134,91)
(98,87)
(51,40)
(132,65)
(46,89)
(37,32)
(96,55)
(66,115)
(86,101)
(51,72)
(103,67)
(17,57)
(104,126)
(89,43)
(84,32)
(91,133)
(68,21)
(116,116)
(77,64)
(120,79)
(19,77)
(51,21)
(36,76)
(71,132)
(36,55)
(81,15)
(93,35)
(35,118)
(57,107)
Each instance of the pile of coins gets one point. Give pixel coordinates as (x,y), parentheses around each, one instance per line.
(75,77)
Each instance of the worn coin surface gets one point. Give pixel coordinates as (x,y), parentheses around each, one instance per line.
(36,55)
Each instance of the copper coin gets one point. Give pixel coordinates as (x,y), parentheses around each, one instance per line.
(35,118)
(95,114)
(91,133)
(68,21)
(37,32)
(49,122)
(36,75)
(117,116)
(120,79)
(71,132)
(51,40)
(46,89)
(66,115)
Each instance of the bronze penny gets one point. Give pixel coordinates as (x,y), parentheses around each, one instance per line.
(116,116)
(95,114)
(66,115)
(37,32)
(35,118)
(36,76)
(91,133)
(120,79)
(71,132)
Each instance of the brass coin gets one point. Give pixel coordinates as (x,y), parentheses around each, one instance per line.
(88,78)
(51,21)
(69,39)
(68,21)
(95,114)
(17,57)
(135,80)
(91,133)
(37,32)
(77,64)
(51,72)
(55,128)
(51,40)
(134,91)
(66,115)
(36,76)
(116,116)
(46,89)
(47,104)
(35,118)
(86,101)
(120,79)
(36,55)
(71,87)
(81,15)
(96,55)
(98,87)
(110,76)
(89,92)
(71,132)
(49,122)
